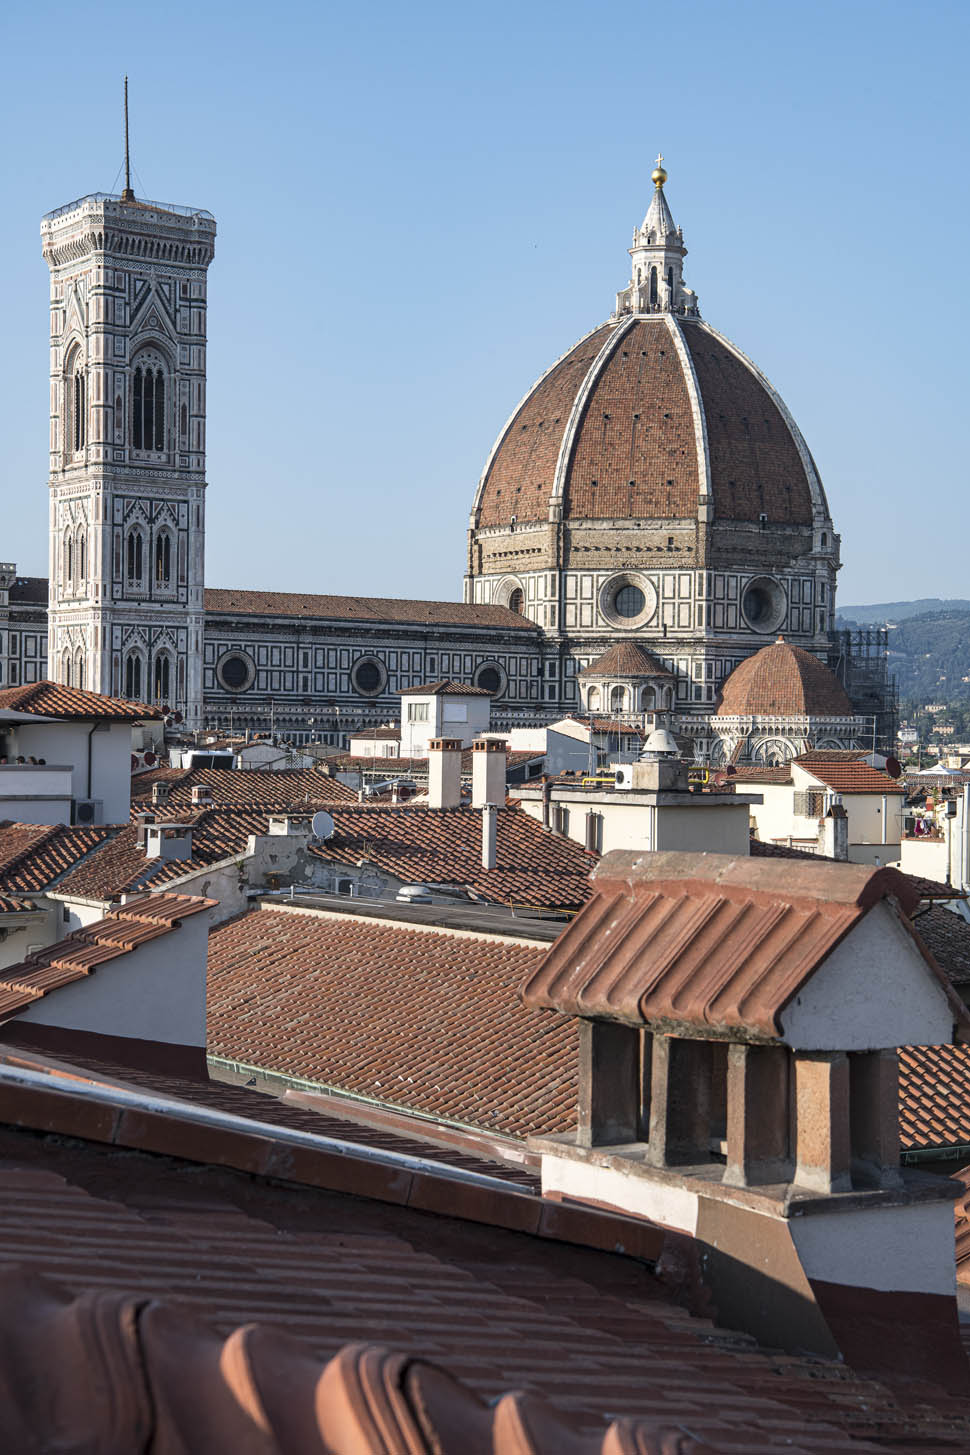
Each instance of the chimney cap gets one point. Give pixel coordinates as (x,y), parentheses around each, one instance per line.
(444,745)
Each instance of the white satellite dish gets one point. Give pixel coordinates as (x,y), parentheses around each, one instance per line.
(322,824)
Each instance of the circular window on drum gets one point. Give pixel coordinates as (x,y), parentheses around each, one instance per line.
(764,604)
(491,676)
(235,671)
(628,600)
(368,676)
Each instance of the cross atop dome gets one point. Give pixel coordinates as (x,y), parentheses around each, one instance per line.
(658,252)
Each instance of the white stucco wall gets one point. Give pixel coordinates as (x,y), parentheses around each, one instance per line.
(629,823)
(67,742)
(670,1206)
(874,991)
(874,819)
(154,993)
(889,1248)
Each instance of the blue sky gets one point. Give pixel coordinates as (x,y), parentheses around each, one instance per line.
(421,206)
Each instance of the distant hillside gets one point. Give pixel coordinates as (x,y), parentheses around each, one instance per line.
(929,655)
(897,610)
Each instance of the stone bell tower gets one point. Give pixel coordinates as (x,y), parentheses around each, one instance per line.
(127,446)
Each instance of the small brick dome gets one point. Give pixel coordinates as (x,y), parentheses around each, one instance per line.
(783,681)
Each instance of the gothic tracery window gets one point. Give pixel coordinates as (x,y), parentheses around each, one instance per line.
(133,676)
(163,559)
(134,556)
(78,408)
(148,403)
(162,678)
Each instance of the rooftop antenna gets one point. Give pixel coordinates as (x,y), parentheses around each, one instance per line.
(127,195)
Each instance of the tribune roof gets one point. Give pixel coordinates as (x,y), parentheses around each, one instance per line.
(783,680)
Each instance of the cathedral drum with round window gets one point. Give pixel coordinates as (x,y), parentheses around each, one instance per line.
(628,600)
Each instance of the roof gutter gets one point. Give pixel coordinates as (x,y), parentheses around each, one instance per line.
(207,1116)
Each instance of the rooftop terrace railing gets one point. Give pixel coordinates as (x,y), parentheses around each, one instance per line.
(141,202)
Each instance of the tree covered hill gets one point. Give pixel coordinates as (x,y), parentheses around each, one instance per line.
(929,655)
(885,611)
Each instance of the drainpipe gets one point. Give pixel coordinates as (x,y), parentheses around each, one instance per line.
(546,802)
(885,815)
(965,838)
(489,826)
(91,732)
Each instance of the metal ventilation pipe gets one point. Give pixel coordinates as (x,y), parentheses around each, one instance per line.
(546,802)
(489,835)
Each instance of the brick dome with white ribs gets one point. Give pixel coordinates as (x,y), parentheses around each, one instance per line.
(652,482)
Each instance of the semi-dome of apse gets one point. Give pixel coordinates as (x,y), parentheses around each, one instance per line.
(783,680)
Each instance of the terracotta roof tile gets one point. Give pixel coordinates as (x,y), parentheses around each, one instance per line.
(848,773)
(947,936)
(783,680)
(12,904)
(293,788)
(121,931)
(730,941)
(413,1017)
(627,659)
(220,602)
(934,1097)
(446,687)
(34,857)
(591,1332)
(444,846)
(51,699)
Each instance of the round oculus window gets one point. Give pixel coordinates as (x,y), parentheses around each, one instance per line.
(491,678)
(763,604)
(629,601)
(236,672)
(368,676)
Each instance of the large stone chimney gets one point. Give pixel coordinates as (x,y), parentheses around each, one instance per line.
(488,772)
(444,773)
(738,1022)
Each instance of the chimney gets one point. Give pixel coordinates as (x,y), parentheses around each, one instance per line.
(160,793)
(444,773)
(488,772)
(489,834)
(168,841)
(201,795)
(833,832)
(755,1108)
(141,820)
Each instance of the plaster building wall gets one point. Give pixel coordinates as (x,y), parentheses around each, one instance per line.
(630,820)
(106,775)
(874,819)
(154,993)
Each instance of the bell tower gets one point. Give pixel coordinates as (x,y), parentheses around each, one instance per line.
(127,446)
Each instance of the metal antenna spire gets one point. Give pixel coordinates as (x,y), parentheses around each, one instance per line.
(127,195)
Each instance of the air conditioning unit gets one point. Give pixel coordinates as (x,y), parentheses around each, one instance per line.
(88,811)
(623,775)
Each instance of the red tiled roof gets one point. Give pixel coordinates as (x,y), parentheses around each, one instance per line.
(704,940)
(121,931)
(514,758)
(51,699)
(295,788)
(848,773)
(753,773)
(35,856)
(923,888)
(414,1017)
(377,733)
(444,846)
(120,866)
(947,936)
(361,608)
(445,687)
(934,1097)
(628,659)
(783,680)
(593,1332)
(11,904)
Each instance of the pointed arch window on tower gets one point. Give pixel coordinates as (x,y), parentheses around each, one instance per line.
(82,556)
(148,403)
(653,285)
(162,678)
(133,676)
(163,559)
(134,556)
(69,562)
(78,409)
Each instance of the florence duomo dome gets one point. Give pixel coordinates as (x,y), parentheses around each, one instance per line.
(653,485)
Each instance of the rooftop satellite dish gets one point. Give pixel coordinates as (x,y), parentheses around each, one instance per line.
(322,824)
(894,767)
